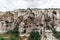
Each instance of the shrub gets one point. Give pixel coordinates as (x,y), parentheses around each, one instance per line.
(1,38)
(34,36)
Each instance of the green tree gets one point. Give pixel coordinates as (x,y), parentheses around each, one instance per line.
(13,38)
(14,34)
(1,38)
(56,34)
(34,36)
(15,31)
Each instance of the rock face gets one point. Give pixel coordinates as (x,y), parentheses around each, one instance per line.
(29,19)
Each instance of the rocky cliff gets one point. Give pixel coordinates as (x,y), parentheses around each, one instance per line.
(30,19)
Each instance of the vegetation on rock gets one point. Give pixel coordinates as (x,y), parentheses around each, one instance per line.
(34,36)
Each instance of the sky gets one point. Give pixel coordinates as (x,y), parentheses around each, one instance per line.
(8,5)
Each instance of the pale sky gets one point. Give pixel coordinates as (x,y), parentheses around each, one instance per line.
(6,5)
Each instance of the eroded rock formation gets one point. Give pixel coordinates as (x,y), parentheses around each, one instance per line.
(29,19)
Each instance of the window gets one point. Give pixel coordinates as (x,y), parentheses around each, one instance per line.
(25,26)
(37,25)
(6,22)
(24,31)
(29,25)
(41,24)
(31,18)
(54,12)
(6,25)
